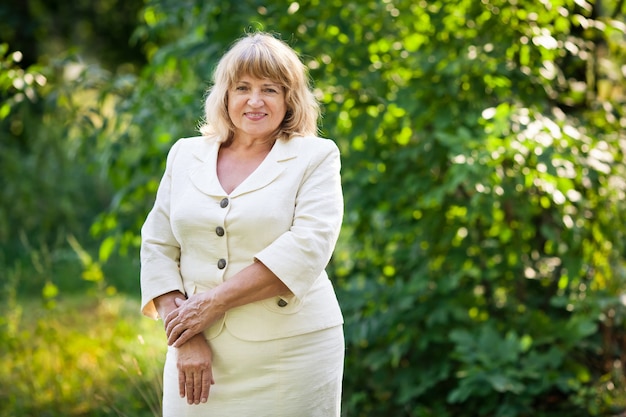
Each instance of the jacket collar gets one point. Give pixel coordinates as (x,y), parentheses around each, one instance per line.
(204,176)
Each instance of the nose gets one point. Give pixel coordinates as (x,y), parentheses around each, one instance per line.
(255,99)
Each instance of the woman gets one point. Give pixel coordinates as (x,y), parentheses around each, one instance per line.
(233,252)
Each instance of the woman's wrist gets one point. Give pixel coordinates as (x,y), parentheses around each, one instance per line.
(165,303)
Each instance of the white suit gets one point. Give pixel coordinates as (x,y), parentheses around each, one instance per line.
(287,214)
(277,357)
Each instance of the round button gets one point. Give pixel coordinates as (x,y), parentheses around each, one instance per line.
(282,303)
(221,264)
(224,202)
(219,230)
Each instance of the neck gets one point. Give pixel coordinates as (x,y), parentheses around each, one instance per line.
(250,144)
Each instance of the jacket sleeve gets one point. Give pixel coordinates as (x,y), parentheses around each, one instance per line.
(299,256)
(160,251)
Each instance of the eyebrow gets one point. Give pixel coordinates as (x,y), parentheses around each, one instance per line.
(264,84)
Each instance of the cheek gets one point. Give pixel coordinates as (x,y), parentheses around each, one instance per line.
(282,110)
(232,106)
(230,103)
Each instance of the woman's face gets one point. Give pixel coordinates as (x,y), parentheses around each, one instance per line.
(256,107)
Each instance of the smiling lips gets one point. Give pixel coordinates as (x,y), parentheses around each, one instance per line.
(255,116)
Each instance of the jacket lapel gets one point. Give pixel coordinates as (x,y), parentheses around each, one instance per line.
(204,176)
(271,167)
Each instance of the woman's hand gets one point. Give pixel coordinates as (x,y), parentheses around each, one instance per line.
(192,317)
(195,372)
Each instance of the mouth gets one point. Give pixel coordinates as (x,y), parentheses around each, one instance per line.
(255,115)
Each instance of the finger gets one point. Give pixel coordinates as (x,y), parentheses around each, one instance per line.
(171,316)
(179,301)
(181,384)
(172,334)
(207,380)
(197,387)
(182,338)
(170,320)
(189,388)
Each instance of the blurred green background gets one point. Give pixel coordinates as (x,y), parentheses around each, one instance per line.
(481,267)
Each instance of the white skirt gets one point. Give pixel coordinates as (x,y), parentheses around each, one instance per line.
(294,376)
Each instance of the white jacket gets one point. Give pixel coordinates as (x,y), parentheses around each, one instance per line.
(287,214)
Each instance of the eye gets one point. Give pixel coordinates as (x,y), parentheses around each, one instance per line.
(241,88)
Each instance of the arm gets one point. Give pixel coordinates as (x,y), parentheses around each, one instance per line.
(254,283)
(300,255)
(162,290)
(195,372)
(165,303)
(160,251)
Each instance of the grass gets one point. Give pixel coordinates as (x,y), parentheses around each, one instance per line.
(85,356)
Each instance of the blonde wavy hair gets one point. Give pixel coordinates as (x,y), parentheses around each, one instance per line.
(261,55)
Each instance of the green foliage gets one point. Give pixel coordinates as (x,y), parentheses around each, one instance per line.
(485,209)
(98,30)
(56,113)
(56,363)
(48,117)
(484,199)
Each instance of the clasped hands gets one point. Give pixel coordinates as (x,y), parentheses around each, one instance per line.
(191,317)
(183,327)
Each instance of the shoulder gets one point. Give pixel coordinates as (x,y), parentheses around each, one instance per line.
(312,145)
(194,143)
(197,146)
(312,142)
(310,153)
